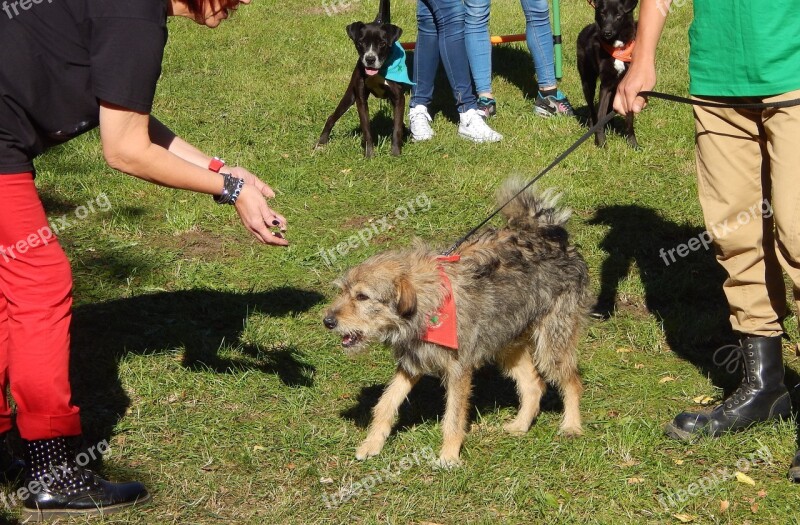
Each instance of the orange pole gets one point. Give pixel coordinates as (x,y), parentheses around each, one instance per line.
(497,39)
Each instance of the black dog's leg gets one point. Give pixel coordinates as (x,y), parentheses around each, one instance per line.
(603,106)
(348,100)
(363,117)
(398,97)
(630,134)
(589,83)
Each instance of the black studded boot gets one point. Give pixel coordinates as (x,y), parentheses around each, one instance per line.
(56,486)
(762,396)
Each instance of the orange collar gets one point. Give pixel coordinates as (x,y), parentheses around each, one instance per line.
(624,53)
(442,328)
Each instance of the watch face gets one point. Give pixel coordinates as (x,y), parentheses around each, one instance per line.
(216,164)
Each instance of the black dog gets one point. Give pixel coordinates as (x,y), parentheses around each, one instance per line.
(375,43)
(614,31)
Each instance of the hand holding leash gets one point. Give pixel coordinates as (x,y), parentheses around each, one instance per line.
(640,77)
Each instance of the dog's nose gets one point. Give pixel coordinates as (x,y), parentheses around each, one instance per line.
(607,35)
(329,322)
(370,59)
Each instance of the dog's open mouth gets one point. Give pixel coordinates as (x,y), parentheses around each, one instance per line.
(371,71)
(352,339)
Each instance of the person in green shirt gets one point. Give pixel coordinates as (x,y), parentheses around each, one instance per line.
(748,163)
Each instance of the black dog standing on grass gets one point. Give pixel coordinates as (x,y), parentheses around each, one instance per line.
(604,50)
(381,71)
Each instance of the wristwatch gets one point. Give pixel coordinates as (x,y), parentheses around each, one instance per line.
(216,164)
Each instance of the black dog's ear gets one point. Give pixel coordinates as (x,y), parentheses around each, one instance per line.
(393,32)
(630,5)
(354,30)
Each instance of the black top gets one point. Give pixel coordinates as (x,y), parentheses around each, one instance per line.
(58,58)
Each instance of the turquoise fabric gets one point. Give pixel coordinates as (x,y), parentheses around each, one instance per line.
(395,67)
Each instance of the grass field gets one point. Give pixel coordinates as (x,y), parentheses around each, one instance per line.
(201,357)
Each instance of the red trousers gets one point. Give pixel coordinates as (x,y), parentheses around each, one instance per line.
(35,314)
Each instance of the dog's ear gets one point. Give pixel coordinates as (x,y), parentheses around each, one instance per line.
(354,30)
(406,296)
(630,5)
(393,32)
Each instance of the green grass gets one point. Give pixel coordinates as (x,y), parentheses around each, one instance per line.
(200,354)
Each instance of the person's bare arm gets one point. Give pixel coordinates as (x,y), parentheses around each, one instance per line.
(128,147)
(642,74)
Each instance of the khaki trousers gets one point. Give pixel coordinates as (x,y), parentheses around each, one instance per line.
(748,170)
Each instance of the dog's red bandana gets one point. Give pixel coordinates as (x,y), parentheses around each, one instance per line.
(442,323)
(624,53)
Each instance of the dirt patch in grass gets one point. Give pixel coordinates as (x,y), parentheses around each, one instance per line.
(356,222)
(199,244)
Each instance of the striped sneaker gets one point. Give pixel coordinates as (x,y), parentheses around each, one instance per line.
(549,106)
(487,106)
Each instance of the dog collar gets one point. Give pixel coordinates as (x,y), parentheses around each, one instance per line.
(624,53)
(442,327)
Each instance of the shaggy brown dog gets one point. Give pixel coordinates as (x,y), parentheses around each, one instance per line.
(522,294)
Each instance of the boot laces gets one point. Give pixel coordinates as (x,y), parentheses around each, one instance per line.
(747,386)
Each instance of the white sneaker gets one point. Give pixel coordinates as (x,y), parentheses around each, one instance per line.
(420,123)
(474,128)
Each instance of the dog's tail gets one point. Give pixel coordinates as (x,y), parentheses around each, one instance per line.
(532,208)
(384,14)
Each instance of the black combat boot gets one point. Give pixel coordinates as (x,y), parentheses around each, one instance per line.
(762,396)
(57,486)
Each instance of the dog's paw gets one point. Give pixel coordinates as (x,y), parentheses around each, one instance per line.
(633,143)
(447,462)
(368,449)
(571,431)
(516,427)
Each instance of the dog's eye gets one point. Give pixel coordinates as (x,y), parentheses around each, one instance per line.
(361,297)
(382,45)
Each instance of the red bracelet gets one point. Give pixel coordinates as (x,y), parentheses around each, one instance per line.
(216,164)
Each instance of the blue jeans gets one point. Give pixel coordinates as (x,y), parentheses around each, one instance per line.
(539,36)
(440,25)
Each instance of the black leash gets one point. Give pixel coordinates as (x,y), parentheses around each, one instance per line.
(602,123)
(552,165)
(724,105)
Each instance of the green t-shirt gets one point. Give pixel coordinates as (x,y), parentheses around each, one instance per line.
(744,47)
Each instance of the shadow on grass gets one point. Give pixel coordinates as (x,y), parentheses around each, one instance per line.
(57,207)
(491,391)
(515,65)
(198,321)
(382,123)
(685,295)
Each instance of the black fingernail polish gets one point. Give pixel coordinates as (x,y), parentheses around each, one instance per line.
(276,222)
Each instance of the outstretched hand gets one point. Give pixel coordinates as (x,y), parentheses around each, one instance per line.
(254,213)
(249,178)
